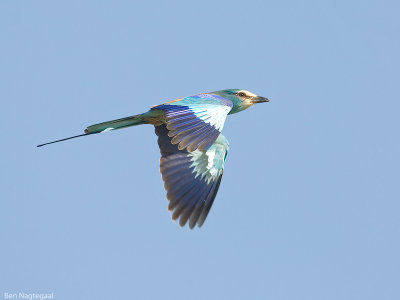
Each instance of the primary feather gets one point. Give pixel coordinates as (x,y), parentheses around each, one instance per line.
(191,178)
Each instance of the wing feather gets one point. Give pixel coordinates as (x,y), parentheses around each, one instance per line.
(195,122)
(191,179)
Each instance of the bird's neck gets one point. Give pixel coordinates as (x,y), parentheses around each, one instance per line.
(238,106)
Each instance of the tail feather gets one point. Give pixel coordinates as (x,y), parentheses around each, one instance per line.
(115,124)
(145,118)
(151,117)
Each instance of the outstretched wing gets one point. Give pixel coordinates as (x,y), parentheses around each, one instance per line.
(195,122)
(191,179)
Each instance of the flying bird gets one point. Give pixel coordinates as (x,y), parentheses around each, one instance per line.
(193,150)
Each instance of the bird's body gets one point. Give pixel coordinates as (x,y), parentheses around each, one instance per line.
(193,150)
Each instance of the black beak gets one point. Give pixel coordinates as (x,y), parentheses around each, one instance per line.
(259,99)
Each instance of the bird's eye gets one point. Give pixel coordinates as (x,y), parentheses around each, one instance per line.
(241,94)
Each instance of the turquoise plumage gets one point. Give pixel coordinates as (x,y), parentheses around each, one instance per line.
(193,150)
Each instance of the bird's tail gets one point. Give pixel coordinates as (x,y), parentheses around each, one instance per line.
(116,124)
(150,117)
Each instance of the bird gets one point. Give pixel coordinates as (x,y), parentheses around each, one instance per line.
(192,148)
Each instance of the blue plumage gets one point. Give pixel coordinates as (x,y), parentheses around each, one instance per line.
(193,150)
(195,122)
(190,182)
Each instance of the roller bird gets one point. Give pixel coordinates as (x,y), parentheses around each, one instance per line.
(193,150)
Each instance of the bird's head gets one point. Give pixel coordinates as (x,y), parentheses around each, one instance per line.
(241,99)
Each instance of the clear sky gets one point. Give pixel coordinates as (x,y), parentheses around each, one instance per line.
(309,204)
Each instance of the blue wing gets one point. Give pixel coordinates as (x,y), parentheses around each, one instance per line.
(191,179)
(195,122)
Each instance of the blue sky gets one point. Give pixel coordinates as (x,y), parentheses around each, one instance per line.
(309,204)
